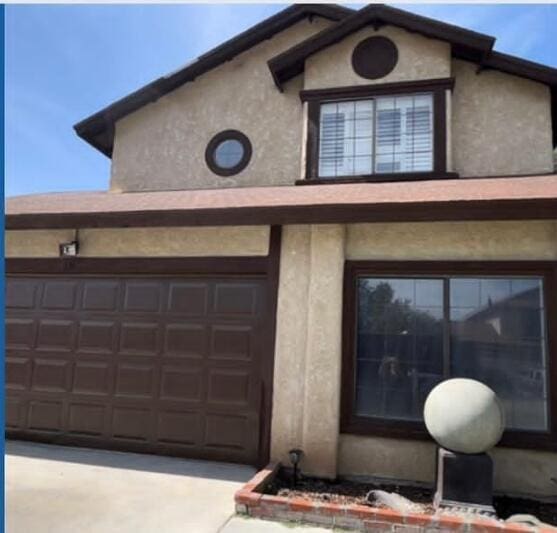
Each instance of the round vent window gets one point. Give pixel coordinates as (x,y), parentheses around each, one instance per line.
(228,153)
(374,58)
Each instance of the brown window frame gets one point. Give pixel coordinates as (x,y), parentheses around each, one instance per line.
(436,87)
(359,425)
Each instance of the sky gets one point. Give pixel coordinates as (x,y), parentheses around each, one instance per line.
(65,62)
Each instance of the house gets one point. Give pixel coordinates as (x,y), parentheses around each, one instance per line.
(307,228)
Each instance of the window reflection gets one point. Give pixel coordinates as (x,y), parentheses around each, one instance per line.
(497,336)
(499,339)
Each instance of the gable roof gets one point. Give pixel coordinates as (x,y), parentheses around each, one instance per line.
(98,129)
(465,43)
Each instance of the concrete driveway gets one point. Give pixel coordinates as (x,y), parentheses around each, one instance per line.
(68,490)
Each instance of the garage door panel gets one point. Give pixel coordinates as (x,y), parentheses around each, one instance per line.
(87,419)
(139,338)
(186,340)
(180,427)
(223,430)
(56,335)
(190,299)
(21,294)
(167,365)
(59,295)
(45,415)
(15,412)
(231,342)
(97,336)
(229,386)
(18,373)
(135,380)
(20,333)
(92,377)
(235,299)
(50,375)
(100,295)
(180,383)
(142,296)
(131,423)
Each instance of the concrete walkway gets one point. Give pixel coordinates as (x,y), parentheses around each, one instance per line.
(68,490)
(238,524)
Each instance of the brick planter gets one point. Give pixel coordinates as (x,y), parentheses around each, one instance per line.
(251,501)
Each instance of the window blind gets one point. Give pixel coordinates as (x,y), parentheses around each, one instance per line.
(381,135)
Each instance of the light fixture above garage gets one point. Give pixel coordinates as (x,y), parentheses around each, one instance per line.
(69,249)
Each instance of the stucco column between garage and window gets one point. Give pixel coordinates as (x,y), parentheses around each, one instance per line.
(308,353)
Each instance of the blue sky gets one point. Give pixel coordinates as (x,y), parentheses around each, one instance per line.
(64,62)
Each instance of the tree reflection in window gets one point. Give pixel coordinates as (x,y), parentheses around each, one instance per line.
(494,328)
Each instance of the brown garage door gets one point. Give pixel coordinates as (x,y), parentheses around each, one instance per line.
(164,365)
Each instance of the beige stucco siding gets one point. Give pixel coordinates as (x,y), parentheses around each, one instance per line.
(162,145)
(308,346)
(307,383)
(419,58)
(497,240)
(143,242)
(415,461)
(501,124)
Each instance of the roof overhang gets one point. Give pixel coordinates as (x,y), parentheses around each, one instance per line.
(98,129)
(465,43)
(521,198)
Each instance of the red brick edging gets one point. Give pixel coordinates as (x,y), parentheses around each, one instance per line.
(251,501)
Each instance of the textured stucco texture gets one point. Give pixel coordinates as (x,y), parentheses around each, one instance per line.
(498,124)
(143,242)
(162,145)
(307,384)
(419,58)
(501,124)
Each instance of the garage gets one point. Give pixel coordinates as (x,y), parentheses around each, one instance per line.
(168,364)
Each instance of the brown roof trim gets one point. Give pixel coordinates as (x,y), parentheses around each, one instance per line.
(520,67)
(465,43)
(354,91)
(529,209)
(98,129)
(524,198)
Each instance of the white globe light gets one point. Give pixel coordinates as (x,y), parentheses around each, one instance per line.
(464,415)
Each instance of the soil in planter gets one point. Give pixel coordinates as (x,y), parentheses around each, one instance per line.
(347,492)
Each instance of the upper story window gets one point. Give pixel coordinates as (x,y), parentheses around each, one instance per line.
(376,135)
(381,132)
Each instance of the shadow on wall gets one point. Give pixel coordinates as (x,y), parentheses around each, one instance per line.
(132,461)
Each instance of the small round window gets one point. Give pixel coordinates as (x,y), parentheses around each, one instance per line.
(228,153)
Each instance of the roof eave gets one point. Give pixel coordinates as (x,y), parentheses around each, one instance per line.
(91,127)
(425,211)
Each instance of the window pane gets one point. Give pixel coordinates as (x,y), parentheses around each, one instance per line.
(346,139)
(404,141)
(498,338)
(229,153)
(399,345)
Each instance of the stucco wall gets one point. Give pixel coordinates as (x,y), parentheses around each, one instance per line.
(308,346)
(307,388)
(498,124)
(497,240)
(162,145)
(138,242)
(501,124)
(415,460)
(419,58)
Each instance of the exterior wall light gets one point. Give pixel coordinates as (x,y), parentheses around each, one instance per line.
(69,249)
